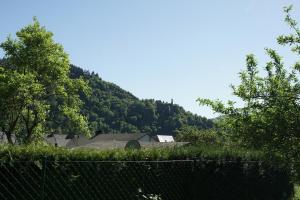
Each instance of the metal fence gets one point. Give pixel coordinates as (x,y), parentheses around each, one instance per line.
(136,180)
(95,180)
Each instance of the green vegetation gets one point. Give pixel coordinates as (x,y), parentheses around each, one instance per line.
(297,193)
(201,151)
(200,172)
(41,93)
(111,109)
(269,120)
(195,135)
(35,87)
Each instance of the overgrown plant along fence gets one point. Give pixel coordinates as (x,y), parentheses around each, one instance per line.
(166,180)
(191,173)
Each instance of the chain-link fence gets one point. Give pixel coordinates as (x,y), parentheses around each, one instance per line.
(126,180)
(95,180)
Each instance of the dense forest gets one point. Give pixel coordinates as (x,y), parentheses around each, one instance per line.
(110,109)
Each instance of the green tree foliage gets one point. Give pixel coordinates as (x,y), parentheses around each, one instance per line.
(36,87)
(18,102)
(111,109)
(195,135)
(42,93)
(270,117)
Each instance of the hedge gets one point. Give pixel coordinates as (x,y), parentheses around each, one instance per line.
(202,172)
(205,152)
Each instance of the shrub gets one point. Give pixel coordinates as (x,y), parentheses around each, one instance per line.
(192,172)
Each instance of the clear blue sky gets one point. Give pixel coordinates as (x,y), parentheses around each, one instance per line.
(160,49)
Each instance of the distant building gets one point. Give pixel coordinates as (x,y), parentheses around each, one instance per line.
(165,138)
(70,140)
(143,137)
(117,140)
(108,141)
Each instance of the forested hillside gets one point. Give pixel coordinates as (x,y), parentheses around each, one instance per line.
(112,109)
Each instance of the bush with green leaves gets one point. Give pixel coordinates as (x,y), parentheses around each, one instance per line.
(270,117)
(35,86)
(192,172)
(195,135)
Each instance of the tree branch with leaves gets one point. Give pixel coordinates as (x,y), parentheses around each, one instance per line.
(35,81)
(269,119)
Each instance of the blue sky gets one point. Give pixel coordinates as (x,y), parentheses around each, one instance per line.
(160,49)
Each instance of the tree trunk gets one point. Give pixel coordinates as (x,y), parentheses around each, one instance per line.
(8,137)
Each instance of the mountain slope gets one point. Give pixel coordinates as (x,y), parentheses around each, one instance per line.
(112,109)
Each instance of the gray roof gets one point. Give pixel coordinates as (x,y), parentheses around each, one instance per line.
(63,140)
(118,137)
(105,141)
(105,145)
(78,140)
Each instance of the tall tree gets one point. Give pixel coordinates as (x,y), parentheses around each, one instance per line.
(270,118)
(41,67)
(17,92)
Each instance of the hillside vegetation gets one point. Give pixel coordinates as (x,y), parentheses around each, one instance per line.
(111,109)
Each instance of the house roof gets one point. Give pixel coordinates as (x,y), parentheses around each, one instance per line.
(165,138)
(104,145)
(63,140)
(107,141)
(118,137)
(78,140)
